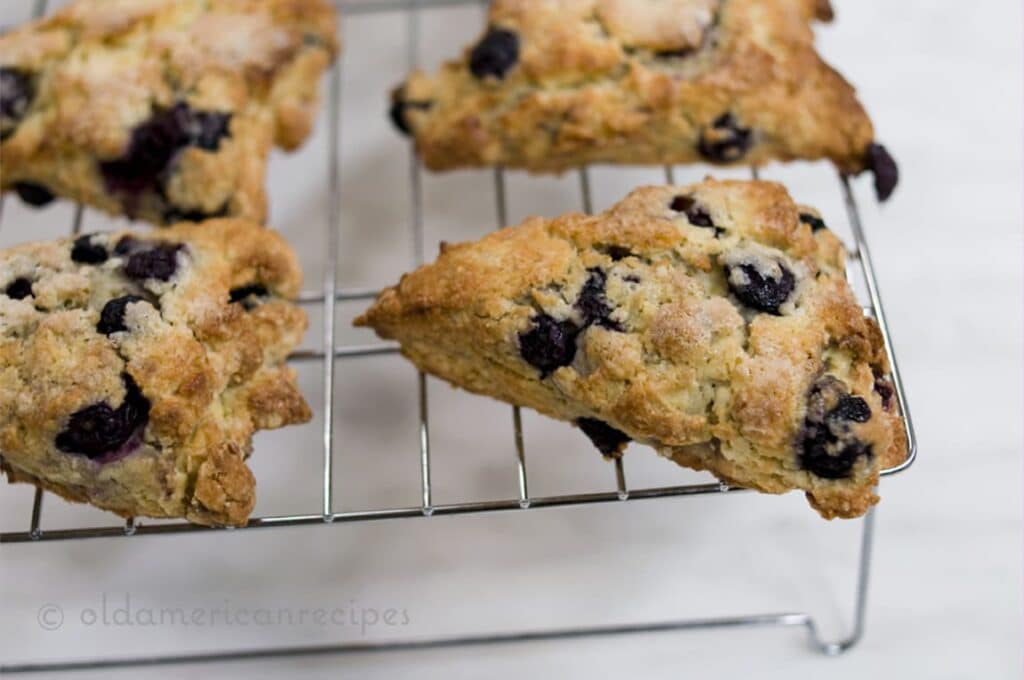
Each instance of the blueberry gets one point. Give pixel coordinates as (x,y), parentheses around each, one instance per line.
(853,409)
(83,250)
(171,215)
(248,296)
(99,429)
(16,92)
(207,128)
(399,106)
(33,194)
(159,261)
(495,54)
(885,390)
(827,446)
(112,316)
(592,303)
(606,438)
(549,344)
(760,292)
(695,214)
(814,222)
(616,252)
(19,288)
(155,143)
(726,141)
(128,245)
(883,166)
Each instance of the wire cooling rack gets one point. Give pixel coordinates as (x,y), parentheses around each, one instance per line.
(328,297)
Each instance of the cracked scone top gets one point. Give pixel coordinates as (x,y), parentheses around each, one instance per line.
(162,110)
(554,84)
(134,368)
(712,322)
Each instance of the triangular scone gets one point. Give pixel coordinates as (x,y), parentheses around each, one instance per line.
(712,322)
(554,84)
(161,110)
(134,368)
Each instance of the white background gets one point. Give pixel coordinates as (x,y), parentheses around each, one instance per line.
(943,84)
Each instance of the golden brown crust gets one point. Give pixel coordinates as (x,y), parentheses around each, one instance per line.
(672,346)
(98,71)
(640,81)
(209,370)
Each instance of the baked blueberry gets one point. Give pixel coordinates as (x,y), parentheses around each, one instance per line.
(399,106)
(616,252)
(592,303)
(19,288)
(827,447)
(725,141)
(765,289)
(156,142)
(883,166)
(159,261)
(248,296)
(33,194)
(16,92)
(606,438)
(495,54)
(112,316)
(550,344)
(207,128)
(814,222)
(83,250)
(98,430)
(885,390)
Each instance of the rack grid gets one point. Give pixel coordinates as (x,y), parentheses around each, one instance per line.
(327,298)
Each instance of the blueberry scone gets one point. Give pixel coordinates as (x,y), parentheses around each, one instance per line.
(161,110)
(554,84)
(712,322)
(134,369)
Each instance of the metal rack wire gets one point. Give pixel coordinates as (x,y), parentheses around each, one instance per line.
(327,298)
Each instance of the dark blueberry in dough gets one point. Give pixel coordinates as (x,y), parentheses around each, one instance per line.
(99,429)
(16,92)
(549,344)
(606,438)
(675,54)
(695,214)
(495,54)
(34,194)
(398,108)
(128,245)
(815,223)
(883,166)
(112,316)
(885,390)
(173,215)
(853,409)
(159,261)
(248,296)
(83,250)
(763,293)
(826,456)
(827,446)
(156,142)
(725,141)
(19,289)
(616,252)
(592,303)
(207,128)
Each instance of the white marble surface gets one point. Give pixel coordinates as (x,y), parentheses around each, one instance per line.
(944,86)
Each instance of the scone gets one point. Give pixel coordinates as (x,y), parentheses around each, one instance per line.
(161,110)
(712,322)
(134,369)
(554,84)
